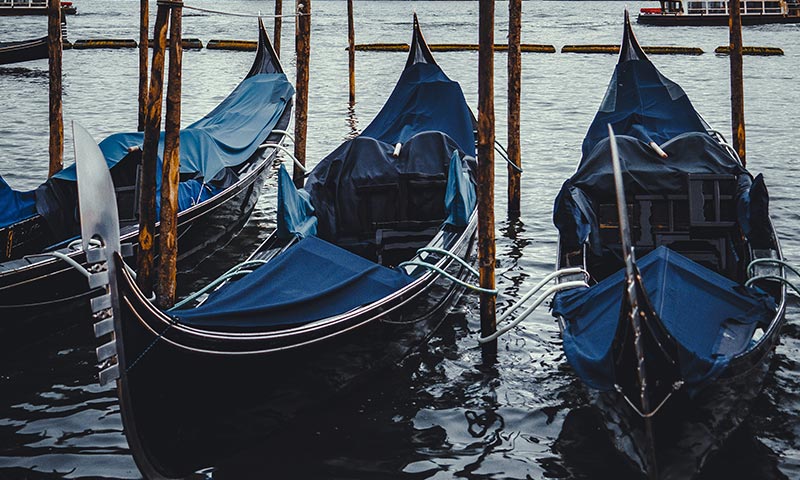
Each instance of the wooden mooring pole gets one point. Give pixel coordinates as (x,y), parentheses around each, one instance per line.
(152,131)
(168,229)
(303,51)
(144,26)
(737,79)
(55,49)
(276,32)
(351,51)
(486,247)
(514,94)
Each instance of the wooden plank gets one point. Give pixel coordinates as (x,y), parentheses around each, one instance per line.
(737,80)
(514,97)
(303,52)
(55,105)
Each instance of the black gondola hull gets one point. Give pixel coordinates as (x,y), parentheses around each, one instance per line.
(24,51)
(193,409)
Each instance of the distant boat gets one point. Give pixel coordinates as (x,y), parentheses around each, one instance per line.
(715,12)
(23,51)
(32,7)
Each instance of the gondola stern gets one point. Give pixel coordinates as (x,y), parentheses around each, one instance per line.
(419,52)
(630,48)
(267,60)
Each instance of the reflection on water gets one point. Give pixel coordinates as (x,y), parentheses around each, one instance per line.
(441,414)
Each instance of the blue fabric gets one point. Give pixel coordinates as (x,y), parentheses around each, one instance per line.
(310,281)
(643,172)
(642,103)
(337,183)
(711,318)
(226,137)
(295,213)
(460,196)
(15,206)
(424,99)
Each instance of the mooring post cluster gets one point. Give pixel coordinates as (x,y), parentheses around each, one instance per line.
(169,13)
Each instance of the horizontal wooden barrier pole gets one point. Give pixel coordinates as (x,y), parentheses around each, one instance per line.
(240,45)
(104,43)
(450,47)
(765,51)
(614,49)
(186,43)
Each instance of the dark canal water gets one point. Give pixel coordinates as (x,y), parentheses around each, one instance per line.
(442,414)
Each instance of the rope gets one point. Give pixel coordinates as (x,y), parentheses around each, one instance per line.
(452,255)
(504,153)
(246,15)
(287,152)
(773,277)
(540,285)
(235,271)
(529,310)
(675,387)
(447,275)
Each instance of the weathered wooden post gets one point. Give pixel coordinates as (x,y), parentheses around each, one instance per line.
(144,26)
(486,247)
(737,79)
(276,33)
(351,51)
(168,229)
(152,131)
(54,47)
(514,86)
(303,51)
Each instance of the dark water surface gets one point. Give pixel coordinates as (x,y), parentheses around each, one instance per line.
(442,414)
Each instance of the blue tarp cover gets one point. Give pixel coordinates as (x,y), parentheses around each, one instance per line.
(711,317)
(310,281)
(424,99)
(642,103)
(295,213)
(226,137)
(643,172)
(15,206)
(460,196)
(336,182)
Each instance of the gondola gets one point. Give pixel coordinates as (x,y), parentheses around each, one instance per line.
(357,274)
(673,338)
(23,51)
(225,159)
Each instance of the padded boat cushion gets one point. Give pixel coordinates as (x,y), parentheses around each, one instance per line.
(711,317)
(310,281)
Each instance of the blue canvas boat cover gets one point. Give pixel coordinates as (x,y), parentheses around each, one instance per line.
(295,212)
(643,172)
(642,103)
(424,99)
(337,183)
(15,206)
(226,137)
(460,197)
(711,318)
(310,281)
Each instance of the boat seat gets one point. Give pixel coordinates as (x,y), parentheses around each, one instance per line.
(700,224)
(424,197)
(377,204)
(398,242)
